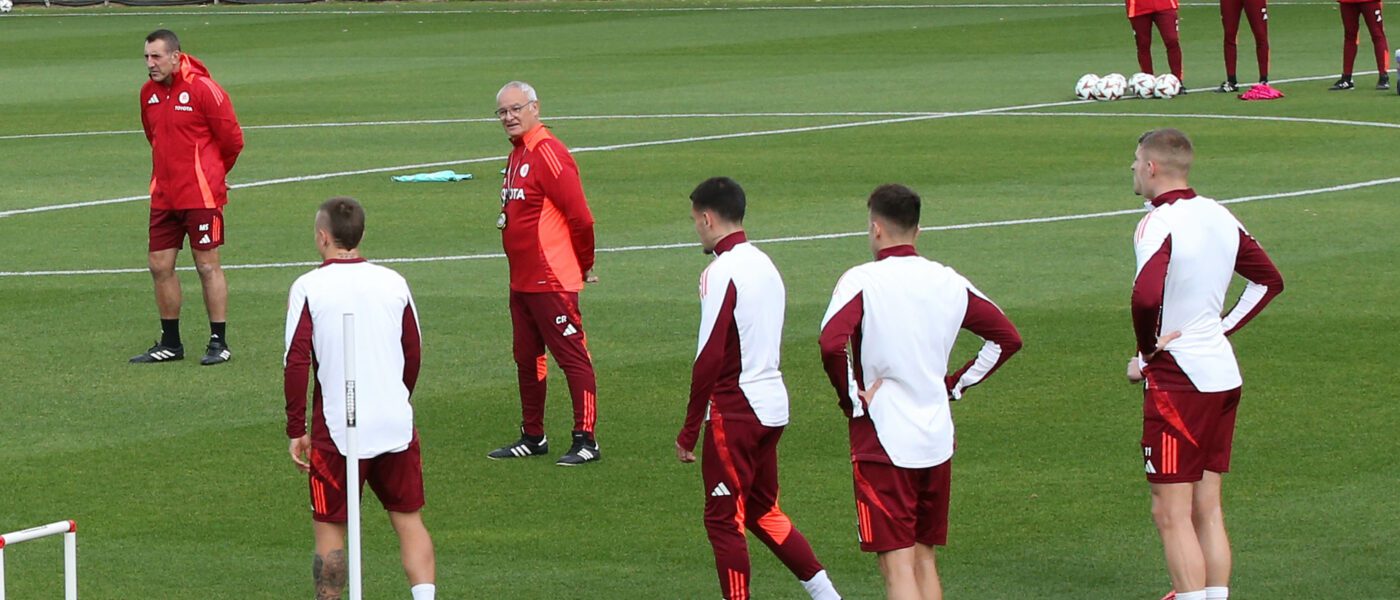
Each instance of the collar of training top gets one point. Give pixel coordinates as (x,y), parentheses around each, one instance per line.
(531,137)
(728,242)
(341,261)
(900,250)
(1173,196)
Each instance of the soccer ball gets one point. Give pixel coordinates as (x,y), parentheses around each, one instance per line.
(1110,87)
(1143,85)
(1084,89)
(1167,86)
(6,5)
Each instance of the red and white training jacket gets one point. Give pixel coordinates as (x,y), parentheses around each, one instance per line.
(387,355)
(901,315)
(1188,248)
(736,376)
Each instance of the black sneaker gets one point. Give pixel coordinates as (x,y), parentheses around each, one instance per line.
(1228,87)
(1342,84)
(1384,82)
(584,450)
(521,448)
(159,353)
(216,353)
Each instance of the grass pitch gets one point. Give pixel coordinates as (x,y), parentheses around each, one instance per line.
(178,474)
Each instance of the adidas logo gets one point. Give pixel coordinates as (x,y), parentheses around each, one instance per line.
(153,100)
(162,354)
(720,490)
(205,239)
(1147,454)
(568,331)
(586,454)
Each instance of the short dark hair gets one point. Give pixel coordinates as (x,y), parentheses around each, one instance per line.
(1170,148)
(720,195)
(344,220)
(172,42)
(896,204)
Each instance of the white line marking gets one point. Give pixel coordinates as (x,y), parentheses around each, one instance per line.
(685,140)
(691,9)
(1379,124)
(779,240)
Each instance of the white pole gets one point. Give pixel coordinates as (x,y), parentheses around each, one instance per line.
(70,565)
(352,462)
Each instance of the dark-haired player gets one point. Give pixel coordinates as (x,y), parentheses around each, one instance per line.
(900,316)
(737,388)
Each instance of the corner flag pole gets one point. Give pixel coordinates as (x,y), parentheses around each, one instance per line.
(352,462)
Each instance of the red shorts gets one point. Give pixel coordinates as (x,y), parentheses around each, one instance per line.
(1187,433)
(205,226)
(395,477)
(896,507)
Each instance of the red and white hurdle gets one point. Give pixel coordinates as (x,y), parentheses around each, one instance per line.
(69,529)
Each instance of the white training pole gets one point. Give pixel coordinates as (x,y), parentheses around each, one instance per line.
(352,461)
(69,529)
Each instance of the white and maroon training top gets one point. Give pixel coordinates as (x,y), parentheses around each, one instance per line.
(901,315)
(736,376)
(1188,248)
(387,355)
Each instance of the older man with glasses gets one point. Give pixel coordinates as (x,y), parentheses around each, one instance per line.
(547,231)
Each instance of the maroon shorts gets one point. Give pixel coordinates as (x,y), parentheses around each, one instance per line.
(204,226)
(896,507)
(1187,433)
(396,478)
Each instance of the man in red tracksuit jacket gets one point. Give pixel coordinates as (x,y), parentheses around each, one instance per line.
(195,140)
(547,232)
(1143,14)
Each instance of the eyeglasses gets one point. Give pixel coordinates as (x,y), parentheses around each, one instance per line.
(512,110)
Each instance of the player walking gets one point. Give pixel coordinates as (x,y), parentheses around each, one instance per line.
(1143,14)
(1353,12)
(1188,248)
(1257,13)
(195,140)
(387,352)
(901,315)
(736,386)
(547,231)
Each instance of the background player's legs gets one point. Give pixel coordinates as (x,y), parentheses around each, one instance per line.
(162,265)
(771,526)
(211,275)
(1171,510)
(1257,12)
(1230,23)
(331,567)
(530,366)
(1208,518)
(1351,29)
(1371,13)
(1169,26)
(726,475)
(1142,36)
(415,548)
(901,569)
(926,571)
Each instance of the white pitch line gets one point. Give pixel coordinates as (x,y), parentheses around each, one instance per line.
(689,9)
(778,240)
(63,134)
(1379,124)
(684,140)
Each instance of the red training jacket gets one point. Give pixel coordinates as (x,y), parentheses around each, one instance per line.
(548,234)
(194,136)
(1147,7)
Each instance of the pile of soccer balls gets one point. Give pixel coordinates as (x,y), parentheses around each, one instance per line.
(1114,86)
(6,5)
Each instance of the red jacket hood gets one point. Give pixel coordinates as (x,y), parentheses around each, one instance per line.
(191,67)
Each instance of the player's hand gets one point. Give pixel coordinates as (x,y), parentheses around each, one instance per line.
(300,449)
(867,395)
(1135,370)
(1161,344)
(589,277)
(683,455)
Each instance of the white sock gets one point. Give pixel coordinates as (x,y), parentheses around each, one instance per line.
(1196,595)
(1217,593)
(423,591)
(819,587)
